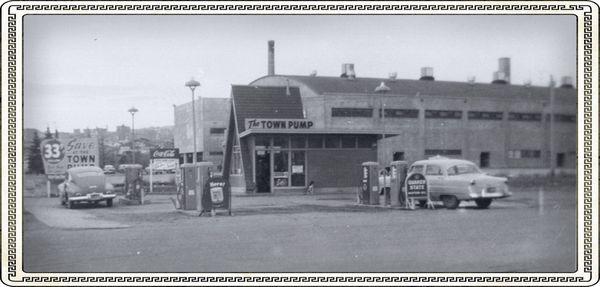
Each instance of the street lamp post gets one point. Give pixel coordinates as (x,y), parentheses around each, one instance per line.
(132,111)
(552,152)
(193,84)
(382,89)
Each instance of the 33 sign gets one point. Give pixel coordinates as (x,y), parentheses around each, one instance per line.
(52,151)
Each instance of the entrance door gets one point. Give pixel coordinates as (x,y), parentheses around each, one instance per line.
(263,171)
(484,159)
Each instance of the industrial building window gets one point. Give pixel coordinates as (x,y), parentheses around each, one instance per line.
(475,115)
(562,118)
(348,142)
(352,112)
(215,131)
(527,117)
(332,141)
(400,113)
(315,141)
(366,141)
(443,114)
(524,153)
(448,152)
(215,153)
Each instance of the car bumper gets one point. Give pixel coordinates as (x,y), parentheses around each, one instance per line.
(92,197)
(484,193)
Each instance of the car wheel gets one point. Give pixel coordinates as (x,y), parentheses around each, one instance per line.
(63,202)
(483,202)
(109,202)
(70,204)
(450,201)
(422,203)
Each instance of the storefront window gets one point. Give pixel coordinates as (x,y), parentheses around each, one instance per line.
(280,142)
(280,169)
(298,168)
(332,141)
(262,141)
(315,142)
(366,142)
(298,142)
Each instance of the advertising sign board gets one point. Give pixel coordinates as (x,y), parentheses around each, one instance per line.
(59,156)
(216,194)
(416,186)
(284,124)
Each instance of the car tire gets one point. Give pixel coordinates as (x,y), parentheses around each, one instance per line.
(483,203)
(70,204)
(109,202)
(62,201)
(450,201)
(422,203)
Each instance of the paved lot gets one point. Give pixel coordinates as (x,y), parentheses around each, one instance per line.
(324,233)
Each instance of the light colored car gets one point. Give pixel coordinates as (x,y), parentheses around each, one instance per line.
(109,169)
(85,184)
(454,180)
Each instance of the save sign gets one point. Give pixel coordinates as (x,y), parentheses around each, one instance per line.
(59,156)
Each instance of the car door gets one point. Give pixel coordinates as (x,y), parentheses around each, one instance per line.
(435,179)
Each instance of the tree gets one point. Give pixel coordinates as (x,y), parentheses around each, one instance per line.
(55,133)
(36,165)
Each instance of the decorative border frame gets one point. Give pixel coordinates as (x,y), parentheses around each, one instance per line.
(12,151)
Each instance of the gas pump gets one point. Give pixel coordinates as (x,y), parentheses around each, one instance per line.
(134,185)
(398,176)
(193,179)
(369,190)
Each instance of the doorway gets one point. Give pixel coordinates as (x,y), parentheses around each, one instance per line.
(262,161)
(484,159)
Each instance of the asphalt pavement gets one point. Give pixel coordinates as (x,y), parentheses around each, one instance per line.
(529,232)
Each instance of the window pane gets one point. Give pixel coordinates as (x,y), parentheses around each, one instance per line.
(315,142)
(280,168)
(298,142)
(348,141)
(365,141)
(332,142)
(433,170)
(280,141)
(298,168)
(262,141)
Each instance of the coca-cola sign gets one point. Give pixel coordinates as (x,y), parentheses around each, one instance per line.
(164,153)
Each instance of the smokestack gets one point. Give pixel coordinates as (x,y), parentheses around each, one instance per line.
(427,74)
(502,76)
(271,71)
(348,71)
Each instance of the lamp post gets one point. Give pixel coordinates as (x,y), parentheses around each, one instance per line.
(382,89)
(552,152)
(193,84)
(132,111)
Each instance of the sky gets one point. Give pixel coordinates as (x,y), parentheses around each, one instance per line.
(86,71)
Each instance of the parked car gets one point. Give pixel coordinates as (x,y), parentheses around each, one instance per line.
(454,180)
(85,184)
(109,169)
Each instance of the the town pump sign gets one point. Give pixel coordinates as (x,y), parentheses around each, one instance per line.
(279,124)
(61,155)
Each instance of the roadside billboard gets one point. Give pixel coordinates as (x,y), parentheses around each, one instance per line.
(60,155)
(164,158)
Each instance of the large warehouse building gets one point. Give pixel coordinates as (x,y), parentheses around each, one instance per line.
(291,130)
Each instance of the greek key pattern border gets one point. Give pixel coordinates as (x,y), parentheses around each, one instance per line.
(348,8)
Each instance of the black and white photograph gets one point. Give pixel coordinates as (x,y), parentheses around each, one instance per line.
(374,143)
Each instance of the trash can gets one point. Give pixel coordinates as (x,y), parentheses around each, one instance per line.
(398,176)
(369,190)
(193,178)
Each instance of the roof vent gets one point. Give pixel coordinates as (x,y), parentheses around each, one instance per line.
(348,71)
(527,84)
(427,74)
(471,80)
(392,76)
(313,73)
(502,76)
(566,82)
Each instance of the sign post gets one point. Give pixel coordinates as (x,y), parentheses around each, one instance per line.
(163,159)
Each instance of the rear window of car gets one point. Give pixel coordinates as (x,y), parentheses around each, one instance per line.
(433,170)
(462,169)
(416,168)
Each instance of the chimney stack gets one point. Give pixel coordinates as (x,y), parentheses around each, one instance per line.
(348,71)
(427,74)
(502,76)
(392,76)
(271,71)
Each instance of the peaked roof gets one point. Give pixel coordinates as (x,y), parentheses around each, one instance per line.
(338,85)
(265,103)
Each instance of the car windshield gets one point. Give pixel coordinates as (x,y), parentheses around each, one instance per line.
(88,174)
(462,169)
(416,168)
